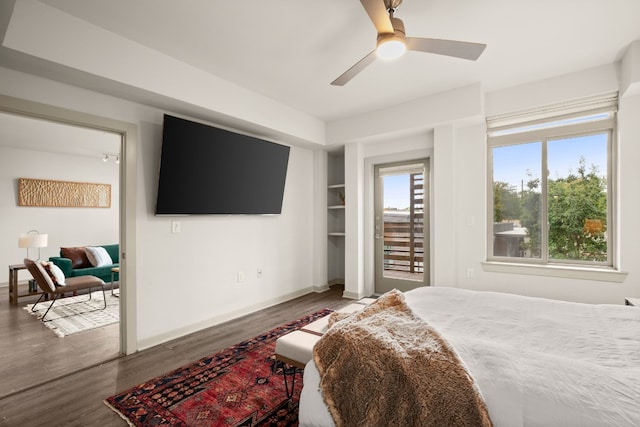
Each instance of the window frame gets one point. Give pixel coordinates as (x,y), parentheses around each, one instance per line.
(606,124)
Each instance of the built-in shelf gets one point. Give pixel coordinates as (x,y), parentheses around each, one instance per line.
(337,207)
(336,211)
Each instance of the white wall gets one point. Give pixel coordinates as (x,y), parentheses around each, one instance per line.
(187,281)
(321,243)
(459,190)
(65,226)
(471,141)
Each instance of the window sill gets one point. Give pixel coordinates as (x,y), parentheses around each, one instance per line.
(561,271)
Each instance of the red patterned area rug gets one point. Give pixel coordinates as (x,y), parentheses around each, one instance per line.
(239,386)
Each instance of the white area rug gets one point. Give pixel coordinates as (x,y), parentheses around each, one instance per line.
(77,314)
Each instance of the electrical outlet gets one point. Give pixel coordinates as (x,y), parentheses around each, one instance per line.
(175,226)
(259,273)
(240,276)
(470,273)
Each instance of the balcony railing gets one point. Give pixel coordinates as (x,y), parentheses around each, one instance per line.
(404,233)
(404,247)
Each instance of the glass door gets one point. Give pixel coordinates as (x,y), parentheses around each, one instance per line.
(401,225)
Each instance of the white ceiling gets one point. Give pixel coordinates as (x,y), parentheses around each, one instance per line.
(46,136)
(291,50)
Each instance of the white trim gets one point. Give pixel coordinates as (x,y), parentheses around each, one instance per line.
(391,170)
(563,131)
(216,320)
(600,103)
(352,295)
(560,271)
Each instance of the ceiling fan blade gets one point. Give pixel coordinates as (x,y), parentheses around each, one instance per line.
(378,14)
(353,71)
(464,50)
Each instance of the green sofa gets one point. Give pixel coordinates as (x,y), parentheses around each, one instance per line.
(73,262)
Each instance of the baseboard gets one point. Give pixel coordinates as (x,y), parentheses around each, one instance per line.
(320,289)
(144,344)
(352,295)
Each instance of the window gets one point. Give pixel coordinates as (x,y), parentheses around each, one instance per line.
(551,188)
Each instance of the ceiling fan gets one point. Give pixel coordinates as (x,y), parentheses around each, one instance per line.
(392,41)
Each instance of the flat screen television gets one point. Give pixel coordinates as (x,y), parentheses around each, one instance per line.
(207,170)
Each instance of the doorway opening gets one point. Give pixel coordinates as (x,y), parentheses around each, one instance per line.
(401,225)
(121,338)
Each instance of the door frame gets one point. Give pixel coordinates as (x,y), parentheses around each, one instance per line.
(378,230)
(127,216)
(368,229)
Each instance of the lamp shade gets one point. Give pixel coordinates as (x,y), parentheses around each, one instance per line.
(391,49)
(33,239)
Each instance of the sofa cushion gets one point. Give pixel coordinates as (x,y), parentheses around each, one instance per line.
(103,273)
(98,256)
(77,255)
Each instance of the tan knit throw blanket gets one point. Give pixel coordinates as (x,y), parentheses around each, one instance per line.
(384,366)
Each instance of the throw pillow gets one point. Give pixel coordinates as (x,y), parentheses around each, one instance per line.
(98,256)
(54,272)
(77,255)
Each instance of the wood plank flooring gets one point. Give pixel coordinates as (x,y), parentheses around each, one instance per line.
(76,398)
(31,354)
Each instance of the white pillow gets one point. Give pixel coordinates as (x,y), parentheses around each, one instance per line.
(57,276)
(98,256)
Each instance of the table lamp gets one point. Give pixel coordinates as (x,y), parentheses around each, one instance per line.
(33,239)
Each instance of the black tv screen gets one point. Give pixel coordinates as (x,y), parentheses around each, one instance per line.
(206,170)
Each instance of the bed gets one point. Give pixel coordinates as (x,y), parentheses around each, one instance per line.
(536,362)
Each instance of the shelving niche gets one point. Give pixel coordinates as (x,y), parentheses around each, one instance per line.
(336,205)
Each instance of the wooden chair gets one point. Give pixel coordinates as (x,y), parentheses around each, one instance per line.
(72,284)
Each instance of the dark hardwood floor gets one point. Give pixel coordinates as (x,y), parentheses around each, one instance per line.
(76,399)
(32,354)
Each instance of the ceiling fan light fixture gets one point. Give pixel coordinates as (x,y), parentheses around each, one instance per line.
(392,47)
(393,41)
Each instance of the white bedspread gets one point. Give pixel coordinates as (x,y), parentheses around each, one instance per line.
(538,362)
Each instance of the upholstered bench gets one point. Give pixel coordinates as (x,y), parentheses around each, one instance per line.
(295,349)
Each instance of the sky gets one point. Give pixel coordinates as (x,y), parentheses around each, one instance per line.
(512,163)
(396,191)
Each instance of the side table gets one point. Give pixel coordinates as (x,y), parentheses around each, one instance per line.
(13,284)
(114,270)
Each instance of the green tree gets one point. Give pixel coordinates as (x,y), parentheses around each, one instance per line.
(498,207)
(506,202)
(577,215)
